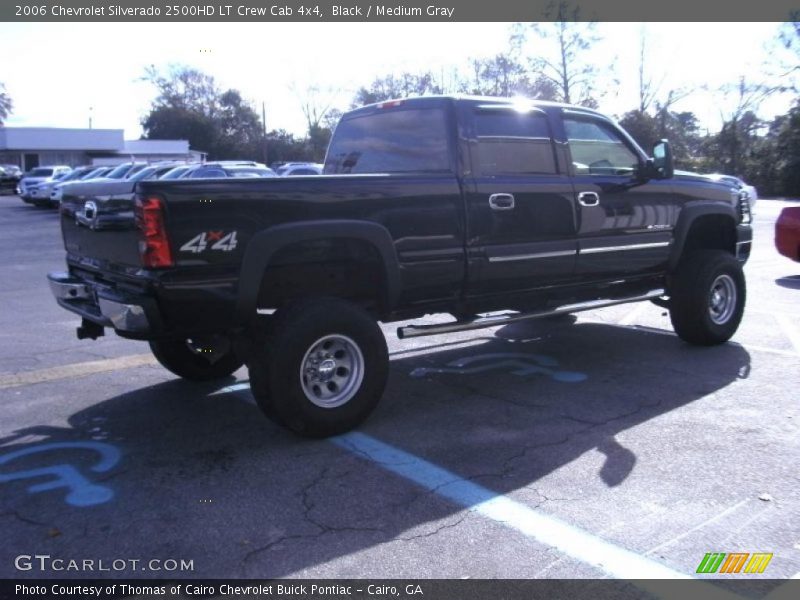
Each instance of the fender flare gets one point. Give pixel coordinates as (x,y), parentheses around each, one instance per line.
(689,214)
(264,244)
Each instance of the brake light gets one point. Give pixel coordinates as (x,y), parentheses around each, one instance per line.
(390,104)
(154,248)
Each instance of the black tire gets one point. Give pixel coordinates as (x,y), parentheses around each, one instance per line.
(707,297)
(203,359)
(303,402)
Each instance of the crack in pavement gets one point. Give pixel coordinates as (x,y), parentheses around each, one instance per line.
(19,517)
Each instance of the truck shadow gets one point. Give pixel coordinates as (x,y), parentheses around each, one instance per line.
(201,475)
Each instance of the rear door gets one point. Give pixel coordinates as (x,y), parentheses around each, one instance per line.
(520,205)
(624,222)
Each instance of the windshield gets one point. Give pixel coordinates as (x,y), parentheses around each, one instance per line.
(72,175)
(143,174)
(134,169)
(94,173)
(120,171)
(40,172)
(175,173)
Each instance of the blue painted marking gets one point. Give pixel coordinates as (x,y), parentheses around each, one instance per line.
(82,492)
(544,528)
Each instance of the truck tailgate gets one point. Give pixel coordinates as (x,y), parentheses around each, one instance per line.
(100,229)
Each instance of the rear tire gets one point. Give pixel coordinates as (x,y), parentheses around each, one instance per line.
(707,297)
(203,359)
(321,368)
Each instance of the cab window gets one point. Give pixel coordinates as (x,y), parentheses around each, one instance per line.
(513,143)
(598,149)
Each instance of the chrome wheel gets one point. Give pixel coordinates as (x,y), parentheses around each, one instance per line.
(331,371)
(722,299)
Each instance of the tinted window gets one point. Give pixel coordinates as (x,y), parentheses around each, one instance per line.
(398,141)
(513,143)
(40,172)
(598,149)
(303,172)
(208,172)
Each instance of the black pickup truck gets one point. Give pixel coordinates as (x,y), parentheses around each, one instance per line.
(457,205)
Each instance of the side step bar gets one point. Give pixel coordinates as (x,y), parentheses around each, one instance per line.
(410,331)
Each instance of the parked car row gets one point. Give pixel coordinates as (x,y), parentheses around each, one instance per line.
(750,192)
(47,186)
(293,169)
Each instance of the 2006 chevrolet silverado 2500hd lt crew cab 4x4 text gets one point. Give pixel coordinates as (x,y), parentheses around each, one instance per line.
(457,205)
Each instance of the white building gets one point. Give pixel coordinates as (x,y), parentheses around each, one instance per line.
(29,147)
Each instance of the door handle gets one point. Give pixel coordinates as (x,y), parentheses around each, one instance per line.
(588,199)
(501,201)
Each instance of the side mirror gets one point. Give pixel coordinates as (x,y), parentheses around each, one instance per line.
(662,160)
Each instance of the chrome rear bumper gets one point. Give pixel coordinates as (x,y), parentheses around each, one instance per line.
(98,305)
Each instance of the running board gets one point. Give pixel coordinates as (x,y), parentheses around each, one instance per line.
(419,330)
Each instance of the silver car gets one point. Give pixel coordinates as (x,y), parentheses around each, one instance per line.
(57,192)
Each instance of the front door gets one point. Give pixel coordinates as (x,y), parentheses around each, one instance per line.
(624,222)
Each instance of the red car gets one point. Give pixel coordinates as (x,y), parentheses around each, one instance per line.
(787,232)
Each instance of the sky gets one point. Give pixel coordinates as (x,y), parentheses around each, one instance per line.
(55,72)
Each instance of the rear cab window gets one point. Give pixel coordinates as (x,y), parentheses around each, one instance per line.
(393,141)
(509,142)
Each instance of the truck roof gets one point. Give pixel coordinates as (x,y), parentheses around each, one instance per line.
(442,100)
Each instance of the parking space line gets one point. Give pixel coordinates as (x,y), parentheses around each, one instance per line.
(688,532)
(548,530)
(75,370)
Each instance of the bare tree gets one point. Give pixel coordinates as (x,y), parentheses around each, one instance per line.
(316,103)
(789,37)
(394,86)
(6,105)
(563,54)
(740,122)
(647,89)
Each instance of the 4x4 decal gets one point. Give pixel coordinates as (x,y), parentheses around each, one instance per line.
(200,242)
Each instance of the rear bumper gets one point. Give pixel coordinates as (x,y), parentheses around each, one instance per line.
(129,314)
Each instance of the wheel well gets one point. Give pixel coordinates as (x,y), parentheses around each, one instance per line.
(711,232)
(345,268)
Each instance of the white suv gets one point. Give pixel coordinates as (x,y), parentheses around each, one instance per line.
(38,175)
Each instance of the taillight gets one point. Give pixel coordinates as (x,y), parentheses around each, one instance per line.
(154,247)
(390,104)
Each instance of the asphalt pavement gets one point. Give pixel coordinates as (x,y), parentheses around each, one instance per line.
(592,446)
